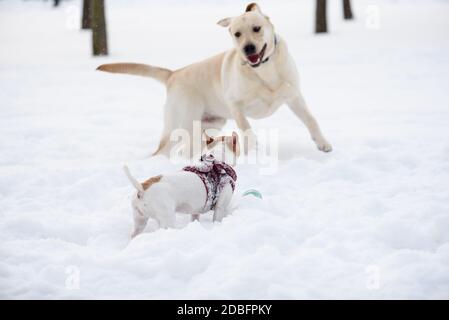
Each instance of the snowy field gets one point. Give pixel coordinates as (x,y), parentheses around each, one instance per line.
(368,220)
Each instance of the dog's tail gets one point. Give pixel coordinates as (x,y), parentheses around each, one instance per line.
(133,180)
(144,70)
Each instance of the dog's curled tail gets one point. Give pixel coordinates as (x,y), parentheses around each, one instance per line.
(144,70)
(133,180)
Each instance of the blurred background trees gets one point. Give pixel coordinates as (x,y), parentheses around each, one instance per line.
(93,17)
(86,17)
(321,14)
(98,26)
(347,12)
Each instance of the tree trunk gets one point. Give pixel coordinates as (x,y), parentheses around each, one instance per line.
(56,3)
(86,22)
(347,12)
(99,38)
(320,17)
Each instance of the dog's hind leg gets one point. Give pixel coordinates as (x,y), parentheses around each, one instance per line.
(182,125)
(162,206)
(165,143)
(183,110)
(163,146)
(166,214)
(140,222)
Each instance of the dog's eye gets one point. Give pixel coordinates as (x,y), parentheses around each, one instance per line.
(256,29)
(237,34)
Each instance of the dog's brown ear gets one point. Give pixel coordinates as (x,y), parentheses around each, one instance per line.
(252,7)
(235,138)
(209,139)
(224,22)
(235,147)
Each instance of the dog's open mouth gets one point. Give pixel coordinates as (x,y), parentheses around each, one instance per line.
(256,59)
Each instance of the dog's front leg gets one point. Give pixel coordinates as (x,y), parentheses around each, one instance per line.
(299,107)
(249,137)
(221,207)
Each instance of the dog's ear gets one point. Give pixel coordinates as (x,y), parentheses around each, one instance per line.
(235,138)
(253,7)
(208,139)
(234,143)
(225,22)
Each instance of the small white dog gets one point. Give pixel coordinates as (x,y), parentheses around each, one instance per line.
(196,189)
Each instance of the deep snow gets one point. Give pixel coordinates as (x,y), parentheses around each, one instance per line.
(369,220)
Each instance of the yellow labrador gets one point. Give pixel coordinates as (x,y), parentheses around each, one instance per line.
(253,79)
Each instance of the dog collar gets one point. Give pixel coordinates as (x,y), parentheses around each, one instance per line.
(268,58)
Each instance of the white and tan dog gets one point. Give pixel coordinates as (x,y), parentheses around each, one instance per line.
(251,80)
(194,190)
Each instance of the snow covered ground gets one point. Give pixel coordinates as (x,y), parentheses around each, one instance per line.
(369,220)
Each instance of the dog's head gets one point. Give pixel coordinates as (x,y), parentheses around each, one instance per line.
(223,148)
(252,33)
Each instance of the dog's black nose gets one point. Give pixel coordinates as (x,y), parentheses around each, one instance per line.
(250,49)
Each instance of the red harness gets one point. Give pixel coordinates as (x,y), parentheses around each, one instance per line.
(215,176)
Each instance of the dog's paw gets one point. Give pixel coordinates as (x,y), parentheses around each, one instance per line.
(323,145)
